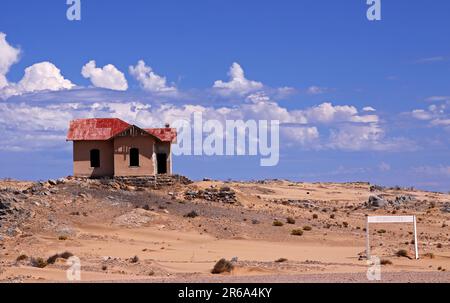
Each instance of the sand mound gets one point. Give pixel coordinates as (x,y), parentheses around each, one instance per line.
(135,218)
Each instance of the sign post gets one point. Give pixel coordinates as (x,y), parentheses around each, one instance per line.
(391,219)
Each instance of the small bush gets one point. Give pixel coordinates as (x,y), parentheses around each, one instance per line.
(222,266)
(307,228)
(192,214)
(22,258)
(315,216)
(135,259)
(297,232)
(104,267)
(381,231)
(38,262)
(345,224)
(332,216)
(66,255)
(62,238)
(281,260)
(439,245)
(277,223)
(385,262)
(429,255)
(402,253)
(290,220)
(52,259)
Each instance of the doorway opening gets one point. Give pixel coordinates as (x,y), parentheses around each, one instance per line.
(161,160)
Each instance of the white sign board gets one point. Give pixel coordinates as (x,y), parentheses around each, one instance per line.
(391,219)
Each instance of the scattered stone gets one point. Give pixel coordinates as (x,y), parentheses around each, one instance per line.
(446,208)
(376,202)
(400,200)
(61,181)
(224,195)
(375,188)
(13,231)
(52,182)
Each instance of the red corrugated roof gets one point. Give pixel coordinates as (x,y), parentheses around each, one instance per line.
(164,134)
(100,129)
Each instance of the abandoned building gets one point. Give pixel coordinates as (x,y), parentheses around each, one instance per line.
(110,147)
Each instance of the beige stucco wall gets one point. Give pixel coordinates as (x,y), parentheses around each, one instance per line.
(82,162)
(122,146)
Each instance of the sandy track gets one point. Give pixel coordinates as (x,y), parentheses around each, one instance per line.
(390,277)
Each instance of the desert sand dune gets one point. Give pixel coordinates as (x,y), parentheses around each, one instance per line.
(122,233)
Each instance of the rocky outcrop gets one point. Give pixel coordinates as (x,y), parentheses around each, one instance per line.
(446,208)
(224,195)
(376,202)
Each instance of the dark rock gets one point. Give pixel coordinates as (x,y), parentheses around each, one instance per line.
(376,202)
(374,188)
(446,208)
(192,214)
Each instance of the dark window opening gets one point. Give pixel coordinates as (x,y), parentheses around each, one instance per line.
(134,157)
(95,158)
(161,160)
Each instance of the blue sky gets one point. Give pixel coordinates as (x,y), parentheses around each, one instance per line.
(318,65)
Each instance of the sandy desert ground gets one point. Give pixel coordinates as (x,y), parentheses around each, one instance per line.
(177,234)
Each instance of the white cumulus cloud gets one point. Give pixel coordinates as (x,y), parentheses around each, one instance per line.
(149,80)
(8,56)
(108,77)
(238,84)
(38,77)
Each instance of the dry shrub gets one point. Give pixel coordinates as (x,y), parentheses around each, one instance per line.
(281,260)
(385,262)
(297,232)
(222,266)
(192,214)
(52,259)
(429,255)
(277,223)
(402,253)
(22,258)
(135,259)
(307,228)
(290,220)
(38,262)
(65,255)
